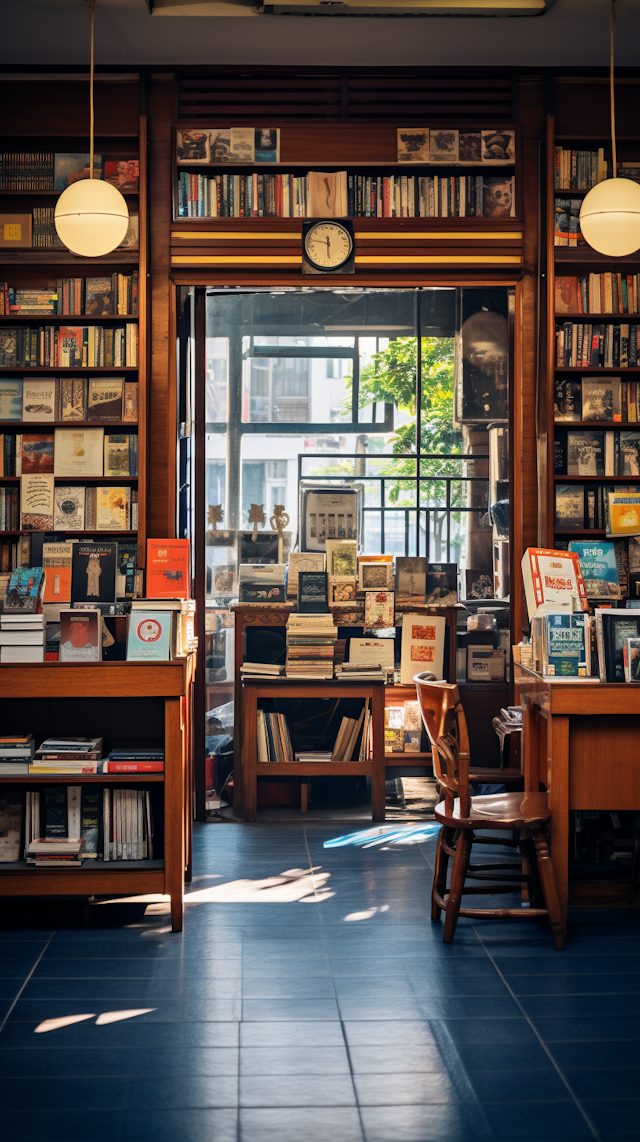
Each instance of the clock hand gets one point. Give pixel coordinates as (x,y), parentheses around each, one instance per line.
(328,247)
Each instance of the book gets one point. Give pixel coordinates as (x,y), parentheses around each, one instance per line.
(372,652)
(570,507)
(38,399)
(497,197)
(149,637)
(36,502)
(379,609)
(302,561)
(312,592)
(90,820)
(375,574)
(130,402)
(93,573)
(411,579)
(168,573)
(552,577)
(622,512)
(629,453)
(566,295)
(68,511)
(10,825)
(80,636)
(73,398)
(599,568)
(262,583)
(413,145)
(567,399)
(613,626)
(442,584)
(70,168)
(104,398)
(55,812)
(423,639)
(99,298)
(585,453)
(15,231)
(631,659)
(476,584)
(443,146)
(56,563)
(11,389)
(327,194)
(123,174)
(341,558)
(79,452)
(113,509)
(564,651)
(601,399)
(37,452)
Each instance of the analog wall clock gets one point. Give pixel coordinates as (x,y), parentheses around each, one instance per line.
(327,247)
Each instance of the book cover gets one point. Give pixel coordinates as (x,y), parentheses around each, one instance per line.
(375,575)
(70,168)
(37,452)
(39,399)
(56,561)
(261,583)
(93,573)
(113,509)
(629,453)
(470,147)
(8,348)
(55,811)
(567,399)
(411,579)
(631,659)
(312,592)
(99,298)
(10,825)
(36,502)
(570,507)
(104,398)
(126,565)
(11,398)
(601,400)
(372,651)
(585,453)
(73,398)
(341,558)
(80,636)
(413,145)
(193,146)
(266,145)
(422,646)
(623,513)
(149,637)
(443,146)
(498,146)
(442,584)
(302,561)
(131,240)
(15,231)
(476,584)
(567,295)
(116,454)
(497,196)
(168,570)
(599,568)
(130,402)
(564,645)
(79,452)
(123,174)
(71,346)
(552,577)
(379,610)
(90,820)
(617,625)
(68,513)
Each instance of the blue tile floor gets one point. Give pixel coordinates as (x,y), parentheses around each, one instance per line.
(311,998)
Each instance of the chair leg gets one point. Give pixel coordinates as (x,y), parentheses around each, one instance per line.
(440,873)
(458,875)
(548,886)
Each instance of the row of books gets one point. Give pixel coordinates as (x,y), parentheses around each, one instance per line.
(39,230)
(10,554)
(610,568)
(597,453)
(609,346)
(604,645)
(22,639)
(343,195)
(40,505)
(274,740)
(593,398)
(67,825)
(69,346)
(597,293)
(579,170)
(68,755)
(24,453)
(616,509)
(114,293)
(51,399)
(44,170)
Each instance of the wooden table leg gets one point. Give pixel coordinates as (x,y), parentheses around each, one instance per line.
(530,746)
(558,802)
(174,828)
(378,775)
(249,754)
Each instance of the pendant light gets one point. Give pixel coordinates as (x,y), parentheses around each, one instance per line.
(91,216)
(610,215)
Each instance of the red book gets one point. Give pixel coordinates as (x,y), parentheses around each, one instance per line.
(133,767)
(168,571)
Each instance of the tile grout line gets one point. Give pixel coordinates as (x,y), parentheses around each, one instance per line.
(538,1036)
(333,984)
(4,1021)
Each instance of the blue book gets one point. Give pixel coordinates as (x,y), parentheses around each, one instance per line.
(149,638)
(11,398)
(564,645)
(599,568)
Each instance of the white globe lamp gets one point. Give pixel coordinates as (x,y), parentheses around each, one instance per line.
(91,217)
(610,217)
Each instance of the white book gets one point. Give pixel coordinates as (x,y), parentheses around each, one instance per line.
(74,816)
(22,653)
(33,637)
(79,452)
(372,651)
(39,399)
(422,646)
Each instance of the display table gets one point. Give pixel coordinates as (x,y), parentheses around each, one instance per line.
(581,739)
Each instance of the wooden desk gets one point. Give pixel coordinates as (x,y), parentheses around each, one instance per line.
(39,696)
(287,688)
(581,738)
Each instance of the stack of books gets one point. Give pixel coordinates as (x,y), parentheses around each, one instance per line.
(134,761)
(310,755)
(361,672)
(67,755)
(16,753)
(310,644)
(22,637)
(274,741)
(260,670)
(55,852)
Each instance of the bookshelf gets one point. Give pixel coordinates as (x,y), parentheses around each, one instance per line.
(121,133)
(149,701)
(617,316)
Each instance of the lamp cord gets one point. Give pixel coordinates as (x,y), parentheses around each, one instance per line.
(611,91)
(92,93)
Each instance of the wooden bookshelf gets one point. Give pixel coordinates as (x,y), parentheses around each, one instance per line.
(136,693)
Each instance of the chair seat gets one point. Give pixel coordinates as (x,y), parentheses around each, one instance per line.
(497,811)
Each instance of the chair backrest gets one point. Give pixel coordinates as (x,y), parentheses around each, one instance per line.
(446,726)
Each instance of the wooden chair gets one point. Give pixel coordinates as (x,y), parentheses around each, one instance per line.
(461,816)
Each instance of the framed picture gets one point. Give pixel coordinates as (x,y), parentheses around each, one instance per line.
(329,512)
(375,576)
(342,559)
(342,593)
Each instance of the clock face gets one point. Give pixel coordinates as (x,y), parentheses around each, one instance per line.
(328,245)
